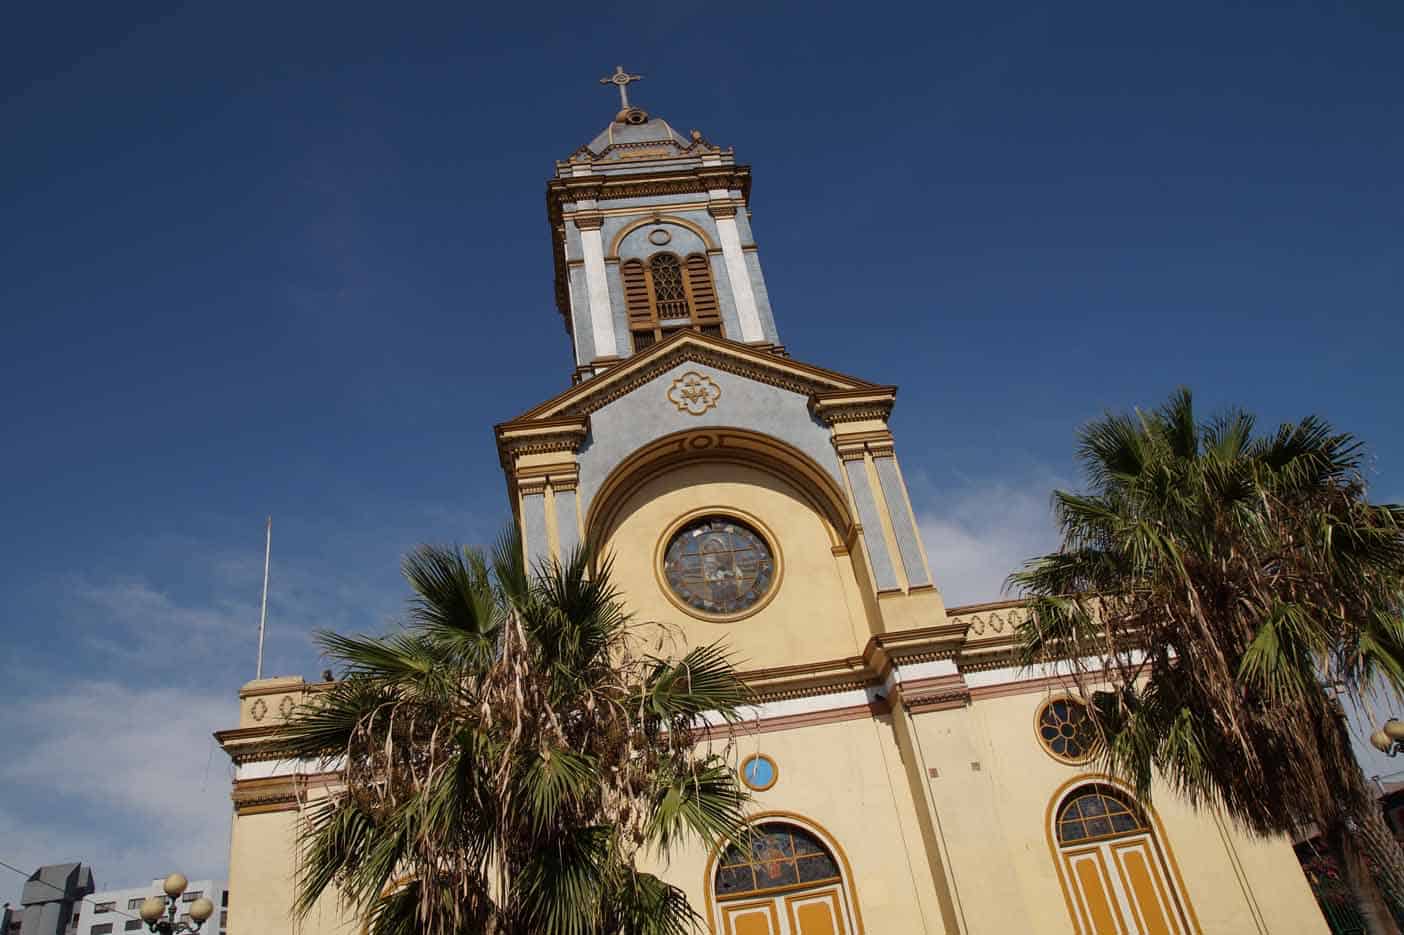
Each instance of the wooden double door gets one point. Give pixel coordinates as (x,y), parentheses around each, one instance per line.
(819,911)
(1120,887)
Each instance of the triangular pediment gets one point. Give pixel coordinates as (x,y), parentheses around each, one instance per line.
(753,363)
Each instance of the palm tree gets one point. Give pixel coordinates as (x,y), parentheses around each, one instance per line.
(1223,591)
(511,755)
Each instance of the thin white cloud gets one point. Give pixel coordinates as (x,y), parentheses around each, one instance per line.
(124,778)
(976,533)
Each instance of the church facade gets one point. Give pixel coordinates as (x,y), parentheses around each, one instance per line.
(907,776)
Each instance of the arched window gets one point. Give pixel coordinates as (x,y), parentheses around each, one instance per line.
(1115,871)
(1096,812)
(782,880)
(669,292)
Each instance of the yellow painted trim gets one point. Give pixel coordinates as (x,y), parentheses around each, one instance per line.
(808,824)
(772,541)
(1158,839)
(553,535)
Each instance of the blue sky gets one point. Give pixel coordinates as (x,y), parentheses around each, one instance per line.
(293,259)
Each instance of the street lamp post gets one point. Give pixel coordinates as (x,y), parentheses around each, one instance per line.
(159,912)
(1389,739)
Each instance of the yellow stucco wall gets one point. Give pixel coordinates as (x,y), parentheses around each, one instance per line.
(815,614)
(994,820)
(262,877)
(846,778)
(941,815)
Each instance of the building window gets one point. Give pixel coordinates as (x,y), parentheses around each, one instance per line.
(135,903)
(668,293)
(224,898)
(103,929)
(777,856)
(191,896)
(133,925)
(782,870)
(1065,729)
(100,908)
(718,566)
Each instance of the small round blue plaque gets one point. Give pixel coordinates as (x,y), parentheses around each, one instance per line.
(759,772)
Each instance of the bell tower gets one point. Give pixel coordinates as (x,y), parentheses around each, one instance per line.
(651,235)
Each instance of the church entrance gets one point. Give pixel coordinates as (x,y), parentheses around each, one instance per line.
(1117,880)
(784,881)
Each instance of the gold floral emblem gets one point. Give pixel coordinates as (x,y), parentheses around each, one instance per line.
(286,706)
(694,393)
(258,709)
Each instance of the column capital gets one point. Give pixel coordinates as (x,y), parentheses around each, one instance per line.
(588,220)
(861,405)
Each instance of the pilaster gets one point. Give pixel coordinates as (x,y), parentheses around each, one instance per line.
(723,212)
(589,222)
(857,421)
(543,477)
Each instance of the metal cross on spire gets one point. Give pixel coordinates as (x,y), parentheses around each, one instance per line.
(621,80)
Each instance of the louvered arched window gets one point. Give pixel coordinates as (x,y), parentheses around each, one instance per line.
(668,292)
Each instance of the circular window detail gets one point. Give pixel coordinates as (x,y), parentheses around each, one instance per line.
(635,117)
(659,236)
(759,772)
(718,567)
(1065,730)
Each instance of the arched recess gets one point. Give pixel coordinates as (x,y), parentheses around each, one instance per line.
(651,221)
(800,881)
(722,445)
(1115,866)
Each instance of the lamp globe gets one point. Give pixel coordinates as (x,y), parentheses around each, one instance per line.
(152,908)
(1380,741)
(201,909)
(1394,729)
(175,884)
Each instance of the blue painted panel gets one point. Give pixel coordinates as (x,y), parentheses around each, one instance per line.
(878,559)
(567,527)
(896,496)
(538,547)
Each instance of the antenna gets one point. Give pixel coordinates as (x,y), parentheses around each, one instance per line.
(263,611)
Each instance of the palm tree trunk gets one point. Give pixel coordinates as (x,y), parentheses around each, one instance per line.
(1352,844)
(1378,844)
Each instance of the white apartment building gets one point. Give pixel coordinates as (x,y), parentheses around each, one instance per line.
(114,912)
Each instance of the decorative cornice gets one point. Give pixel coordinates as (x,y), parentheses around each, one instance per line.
(542,436)
(854,405)
(277,793)
(756,363)
(588,220)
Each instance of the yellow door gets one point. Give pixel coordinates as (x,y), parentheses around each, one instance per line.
(815,913)
(1119,888)
(751,918)
(1147,891)
(810,912)
(1093,892)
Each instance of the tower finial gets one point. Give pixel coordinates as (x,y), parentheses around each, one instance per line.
(621,79)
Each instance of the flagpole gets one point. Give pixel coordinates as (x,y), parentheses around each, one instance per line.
(263,611)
